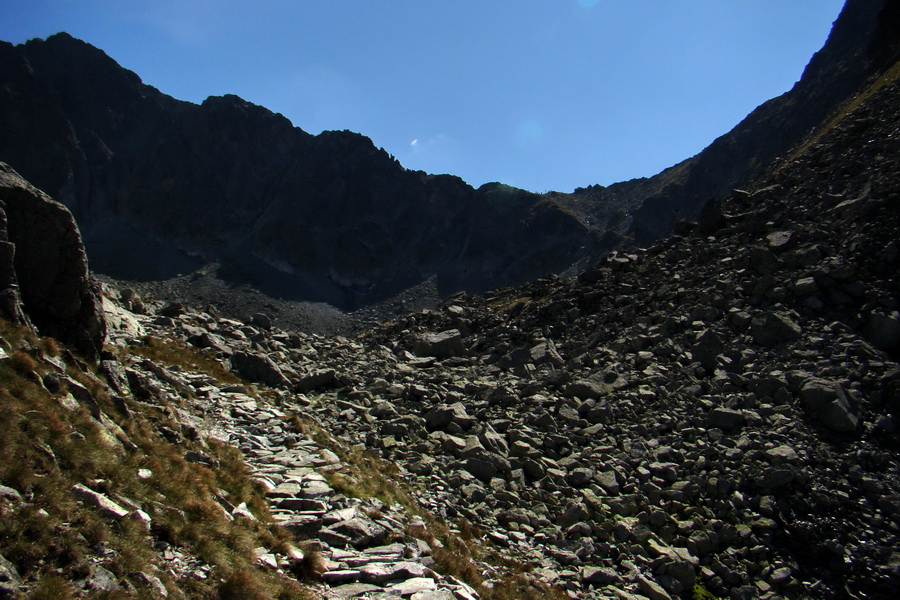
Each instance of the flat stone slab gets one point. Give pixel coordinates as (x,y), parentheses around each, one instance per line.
(302,526)
(316,489)
(412,586)
(105,505)
(381,573)
(354,590)
(340,577)
(287,489)
(435,595)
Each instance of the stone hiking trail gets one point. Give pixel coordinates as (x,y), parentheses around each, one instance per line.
(358,560)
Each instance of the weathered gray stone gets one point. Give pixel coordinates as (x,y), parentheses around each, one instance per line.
(828,402)
(709,345)
(599,575)
(546,353)
(774,328)
(445,344)
(9,493)
(359,532)
(315,380)
(783,454)
(883,330)
(651,589)
(381,573)
(485,465)
(580,477)
(258,369)
(763,261)
(413,585)
(106,506)
(725,418)
(50,269)
(585,389)
(440,417)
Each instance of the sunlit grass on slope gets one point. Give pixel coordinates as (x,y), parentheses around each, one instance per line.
(886,78)
(54,539)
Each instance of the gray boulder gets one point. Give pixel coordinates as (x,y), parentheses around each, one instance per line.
(445,344)
(774,328)
(883,330)
(827,401)
(709,345)
(725,418)
(440,417)
(49,266)
(258,369)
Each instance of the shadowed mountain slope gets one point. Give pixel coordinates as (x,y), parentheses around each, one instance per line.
(161,187)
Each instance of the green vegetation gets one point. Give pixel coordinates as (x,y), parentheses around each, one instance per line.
(701,593)
(51,443)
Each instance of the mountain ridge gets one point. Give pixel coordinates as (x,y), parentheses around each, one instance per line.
(332,218)
(352,204)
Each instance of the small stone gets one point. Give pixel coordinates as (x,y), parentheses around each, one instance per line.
(783,454)
(10,494)
(107,507)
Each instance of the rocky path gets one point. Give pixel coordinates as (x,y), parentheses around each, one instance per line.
(360,547)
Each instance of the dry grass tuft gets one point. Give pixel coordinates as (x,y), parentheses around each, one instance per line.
(184,356)
(53,538)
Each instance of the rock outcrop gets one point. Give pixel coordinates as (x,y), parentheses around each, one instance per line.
(43,267)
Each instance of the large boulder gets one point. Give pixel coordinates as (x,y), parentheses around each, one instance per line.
(828,401)
(445,344)
(49,266)
(770,329)
(258,368)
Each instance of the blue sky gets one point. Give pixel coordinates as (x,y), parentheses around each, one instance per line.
(540,94)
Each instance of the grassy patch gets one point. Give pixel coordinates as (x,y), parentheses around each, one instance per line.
(184,356)
(701,593)
(889,76)
(54,538)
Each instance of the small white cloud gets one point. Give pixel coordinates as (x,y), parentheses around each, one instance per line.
(414,143)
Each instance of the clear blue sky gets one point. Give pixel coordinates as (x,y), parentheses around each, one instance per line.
(540,94)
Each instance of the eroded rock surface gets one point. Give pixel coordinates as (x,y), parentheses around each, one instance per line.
(49,267)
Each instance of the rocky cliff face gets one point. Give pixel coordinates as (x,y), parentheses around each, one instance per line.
(160,186)
(43,268)
(863,43)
